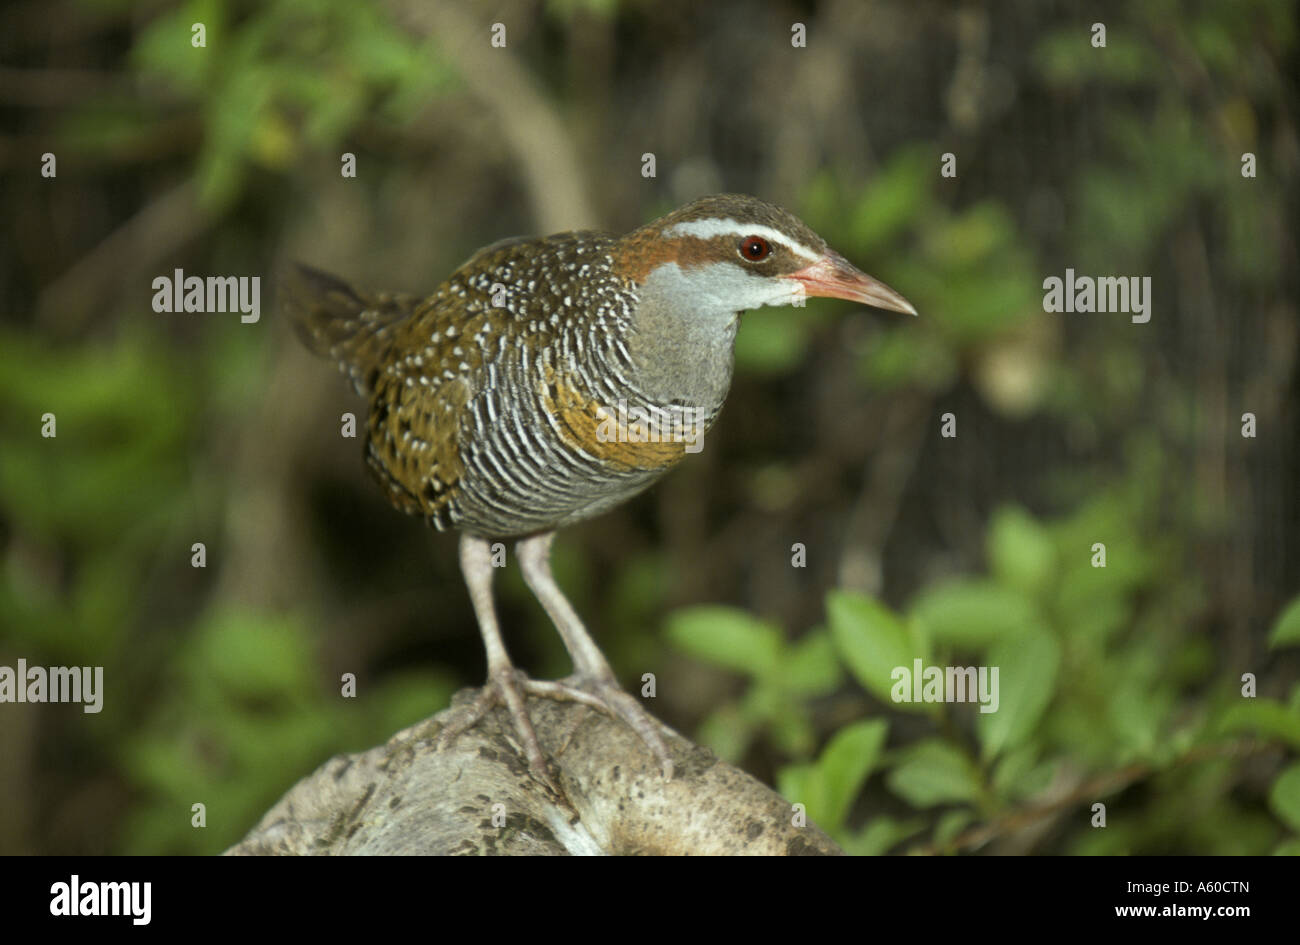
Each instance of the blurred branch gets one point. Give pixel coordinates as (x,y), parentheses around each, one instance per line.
(529,124)
(267,547)
(166,137)
(54,88)
(899,446)
(477,797)
(170,220)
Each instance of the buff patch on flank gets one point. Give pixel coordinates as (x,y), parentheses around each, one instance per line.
(599,430)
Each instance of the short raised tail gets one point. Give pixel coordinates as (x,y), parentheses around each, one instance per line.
(351,327)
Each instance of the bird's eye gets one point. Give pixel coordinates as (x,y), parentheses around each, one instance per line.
(755,248)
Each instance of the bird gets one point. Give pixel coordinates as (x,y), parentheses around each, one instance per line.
(550,379)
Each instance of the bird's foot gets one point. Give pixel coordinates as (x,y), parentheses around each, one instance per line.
(509,687)
(606,695)
(505,687)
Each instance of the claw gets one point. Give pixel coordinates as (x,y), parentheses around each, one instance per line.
(604,695)
(503,689)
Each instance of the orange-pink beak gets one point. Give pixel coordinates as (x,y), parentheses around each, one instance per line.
(834,277)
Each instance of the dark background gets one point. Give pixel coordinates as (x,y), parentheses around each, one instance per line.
(1120,685)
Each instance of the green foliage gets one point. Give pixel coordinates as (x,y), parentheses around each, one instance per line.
(1083,687)
(973,612)
(973,276)
(969,273)
(223,708)
(828,786)
(293,75)
(1266,718)
(872,641)
(1020,550)
(247,699)
(728,637)
(933,772)
(1285,796)
(122,411)
(1115,683)
(1028,664)
(783,676)
(1102,669)
(881,835)
(1286,630)
(772,341)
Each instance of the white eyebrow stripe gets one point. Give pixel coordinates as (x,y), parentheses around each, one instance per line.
(707,229)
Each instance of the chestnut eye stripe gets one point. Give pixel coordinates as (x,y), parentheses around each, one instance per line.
(710,229)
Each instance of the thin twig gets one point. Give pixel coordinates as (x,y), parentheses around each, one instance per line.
(1102,785)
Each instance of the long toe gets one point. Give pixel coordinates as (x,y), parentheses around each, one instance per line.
(608,697)
(503,688)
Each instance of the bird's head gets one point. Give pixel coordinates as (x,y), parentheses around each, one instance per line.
(731,252)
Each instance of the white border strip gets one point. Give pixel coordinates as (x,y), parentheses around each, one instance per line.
(707,229)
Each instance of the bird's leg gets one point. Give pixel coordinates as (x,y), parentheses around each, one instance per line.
(505,684)
(593,682)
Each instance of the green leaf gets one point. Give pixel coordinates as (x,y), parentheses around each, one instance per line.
(727,637)
(811,666)
(1012,769)
(1019,775)
(845,764)
(1021,553)
(973,613)
(873,641)
(828,786)
(890,203)
(789,726)
(1284,797)
(801,784)
(1289,847)
(1137,710)
(1286,631)
(934,772)
(1027,667)
(951,824)
(1263,717)
(881,834)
